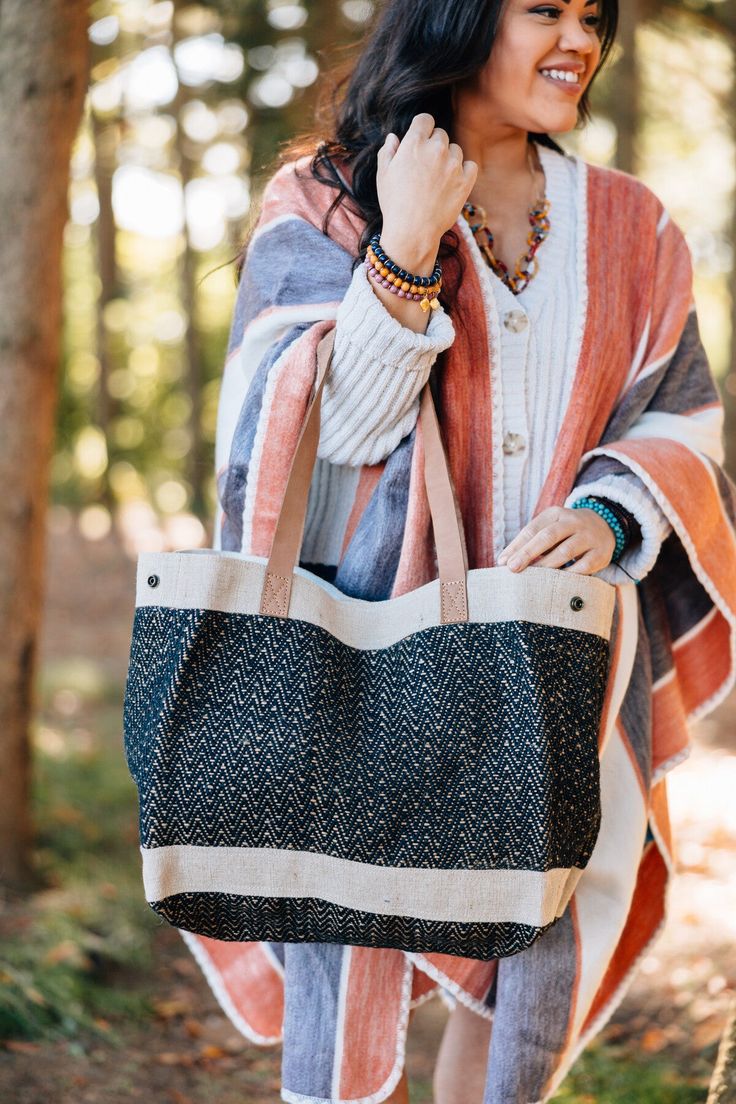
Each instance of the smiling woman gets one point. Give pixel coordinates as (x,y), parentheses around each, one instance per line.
(539,48)
(449,241)
(421,55)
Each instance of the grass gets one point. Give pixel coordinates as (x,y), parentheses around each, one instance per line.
(77,953)
(608,1074)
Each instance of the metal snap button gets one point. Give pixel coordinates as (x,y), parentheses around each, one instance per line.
(153,580)
(515,320)
(576,603)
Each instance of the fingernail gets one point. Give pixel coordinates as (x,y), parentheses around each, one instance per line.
(515,562)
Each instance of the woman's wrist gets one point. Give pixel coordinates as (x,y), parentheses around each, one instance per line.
(405,275)
(414,255)
(623,524)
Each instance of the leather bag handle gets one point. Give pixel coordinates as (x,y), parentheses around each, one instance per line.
(446,520)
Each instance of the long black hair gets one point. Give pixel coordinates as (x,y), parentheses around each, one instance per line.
(417,52)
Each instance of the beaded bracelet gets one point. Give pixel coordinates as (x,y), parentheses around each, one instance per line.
(628,521)
(422,289)
(604,511)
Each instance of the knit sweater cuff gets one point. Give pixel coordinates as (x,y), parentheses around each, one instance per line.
(628,490)
(364,322)
(379,367)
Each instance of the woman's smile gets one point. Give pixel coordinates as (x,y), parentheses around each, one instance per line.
(563,79)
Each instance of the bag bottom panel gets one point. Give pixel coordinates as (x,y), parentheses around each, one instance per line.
(235,918)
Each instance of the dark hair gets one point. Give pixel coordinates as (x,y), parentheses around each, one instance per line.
(417,52)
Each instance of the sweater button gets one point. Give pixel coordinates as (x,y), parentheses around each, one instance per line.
(515,320)
(512,443)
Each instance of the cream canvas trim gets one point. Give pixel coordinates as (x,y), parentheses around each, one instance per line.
(454,896)
(231,582)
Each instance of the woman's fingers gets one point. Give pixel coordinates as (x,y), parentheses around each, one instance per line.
(587,564)
(441,136)
(558,535)
(470,175)
(404,166)
(388,150)
(538,536)
(421,125)
(567,550)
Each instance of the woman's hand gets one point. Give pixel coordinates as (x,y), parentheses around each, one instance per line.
(422,184)
(558,535)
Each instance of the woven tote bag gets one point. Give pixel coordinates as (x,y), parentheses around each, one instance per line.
(419,773)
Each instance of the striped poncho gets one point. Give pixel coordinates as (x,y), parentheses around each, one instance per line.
(643,401)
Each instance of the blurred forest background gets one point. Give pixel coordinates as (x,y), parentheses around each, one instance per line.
(160,122)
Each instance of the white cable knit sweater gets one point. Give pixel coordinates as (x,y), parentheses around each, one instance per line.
(371,396)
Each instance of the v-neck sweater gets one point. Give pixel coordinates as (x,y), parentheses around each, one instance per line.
(371,395)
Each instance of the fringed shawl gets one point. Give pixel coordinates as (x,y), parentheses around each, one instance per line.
(643,401)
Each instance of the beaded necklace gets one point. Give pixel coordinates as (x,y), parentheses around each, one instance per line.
(527,265)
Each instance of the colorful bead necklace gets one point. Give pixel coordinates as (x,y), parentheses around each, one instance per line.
(527,265)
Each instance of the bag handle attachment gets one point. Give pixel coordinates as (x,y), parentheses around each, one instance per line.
(446,519)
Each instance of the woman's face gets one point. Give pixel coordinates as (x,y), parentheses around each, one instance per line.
(543,58)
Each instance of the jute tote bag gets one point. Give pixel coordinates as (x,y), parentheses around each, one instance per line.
(419,773)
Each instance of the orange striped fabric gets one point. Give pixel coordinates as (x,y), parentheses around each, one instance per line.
(641,365)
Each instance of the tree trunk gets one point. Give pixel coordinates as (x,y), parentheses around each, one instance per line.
(625,105)
(723,1084)
(198,464)
(43,77)
(729,390)
(106,142)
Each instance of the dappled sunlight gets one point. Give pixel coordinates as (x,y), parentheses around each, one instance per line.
(703,810)
(163,189)
(188,108)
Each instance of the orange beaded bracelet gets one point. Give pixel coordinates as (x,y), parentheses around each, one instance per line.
(422,289)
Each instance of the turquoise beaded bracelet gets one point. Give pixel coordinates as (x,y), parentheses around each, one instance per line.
(610,518)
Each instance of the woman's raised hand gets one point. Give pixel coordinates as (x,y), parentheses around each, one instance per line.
(422,183)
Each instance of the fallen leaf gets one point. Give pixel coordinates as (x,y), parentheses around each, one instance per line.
(185,967)
(168,1009)
(21,1048)
(193,1028)
(235,1044)
(171,1058)
(212,1052)
(614,1031)
(177,1097)
(66,951)
(653,1040)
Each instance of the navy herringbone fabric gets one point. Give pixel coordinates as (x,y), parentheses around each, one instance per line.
(467,746)
(308,920)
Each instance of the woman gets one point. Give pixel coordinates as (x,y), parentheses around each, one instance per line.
(574,375)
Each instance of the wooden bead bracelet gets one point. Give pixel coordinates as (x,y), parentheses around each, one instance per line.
(422,289)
